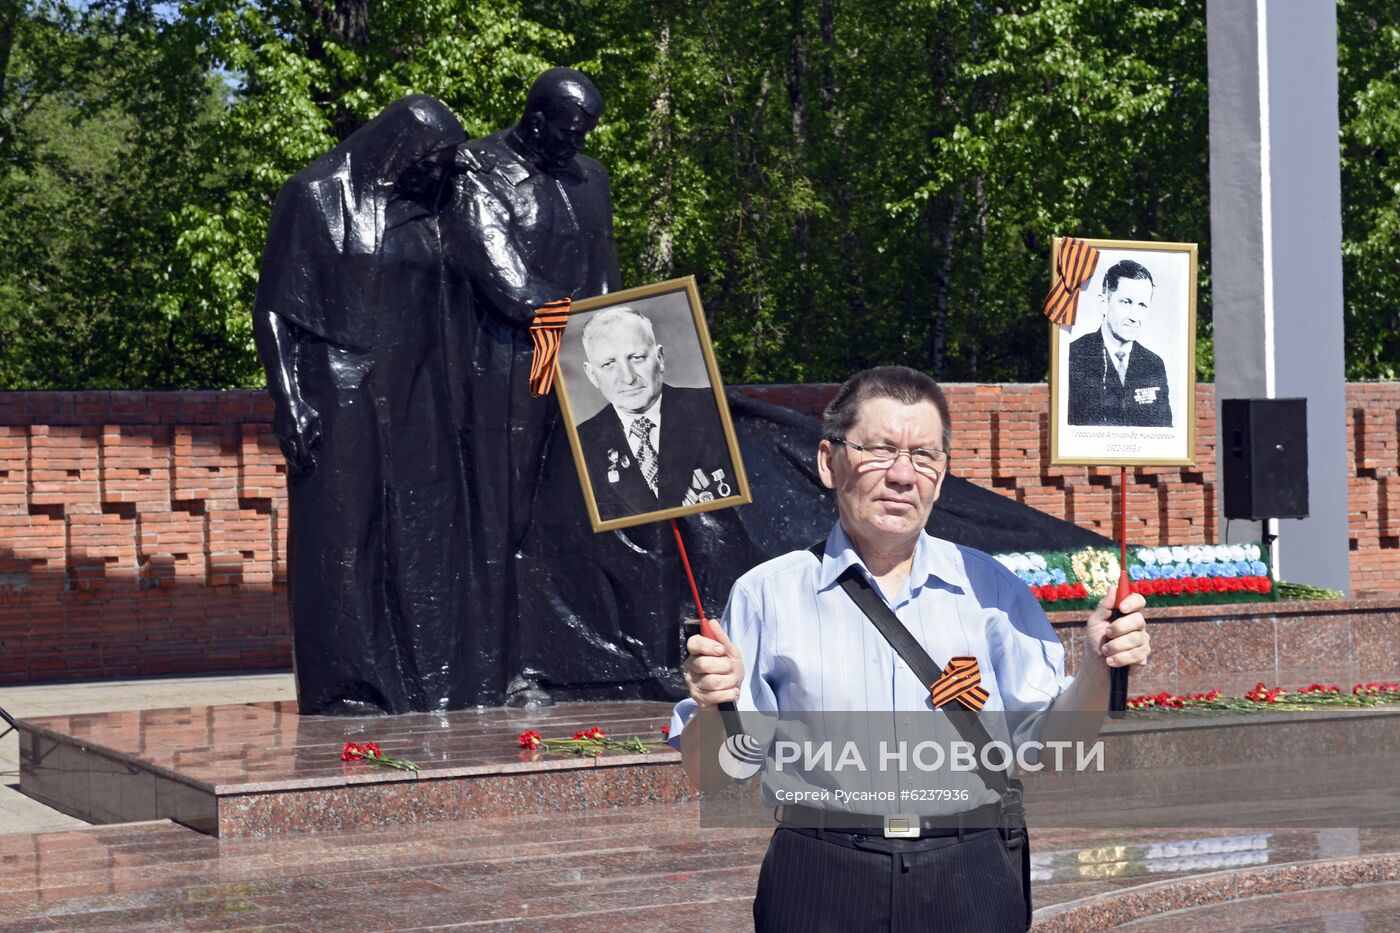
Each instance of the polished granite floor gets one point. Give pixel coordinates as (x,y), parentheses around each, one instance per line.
(639,869)
(19,813)
(636,868)
(615,870)
(259,746)
(260,768)
(1353,909)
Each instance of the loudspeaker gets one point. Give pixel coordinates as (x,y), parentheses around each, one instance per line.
(1263,457)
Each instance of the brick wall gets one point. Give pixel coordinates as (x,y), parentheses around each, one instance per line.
(1001,440)
(144,533)
(140,534)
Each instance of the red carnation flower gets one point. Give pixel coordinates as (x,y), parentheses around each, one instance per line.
(352,751)
(530,738)
(1189,585)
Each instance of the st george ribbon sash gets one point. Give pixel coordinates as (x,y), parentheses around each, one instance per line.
(960,681)
(547,330)
(1074,267)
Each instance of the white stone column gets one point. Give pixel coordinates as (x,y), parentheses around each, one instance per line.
(1276,247)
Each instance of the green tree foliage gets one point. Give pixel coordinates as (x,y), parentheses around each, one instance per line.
(879,182)
(308,74)
(142,184)
(852,182)
(1369,94)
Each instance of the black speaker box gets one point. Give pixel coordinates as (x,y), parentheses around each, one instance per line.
(1263,457)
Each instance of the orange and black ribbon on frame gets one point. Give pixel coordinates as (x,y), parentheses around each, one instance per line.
(1073,268)
(547,330)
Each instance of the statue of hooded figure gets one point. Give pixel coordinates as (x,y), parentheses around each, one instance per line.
(365,354)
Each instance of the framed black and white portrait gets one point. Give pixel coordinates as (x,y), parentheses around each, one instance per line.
(1123,375)
(645,408)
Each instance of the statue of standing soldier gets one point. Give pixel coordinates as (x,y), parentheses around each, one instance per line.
(529,223)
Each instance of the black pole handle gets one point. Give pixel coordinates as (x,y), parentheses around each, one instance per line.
(728,713)
(1118,676)
(1117,692)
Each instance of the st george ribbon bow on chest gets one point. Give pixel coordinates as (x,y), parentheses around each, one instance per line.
(961,682)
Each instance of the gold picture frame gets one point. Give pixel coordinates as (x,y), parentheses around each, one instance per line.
(1140,410)
(696,464)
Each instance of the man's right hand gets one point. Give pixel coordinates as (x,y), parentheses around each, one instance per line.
(298,428)
(714,670)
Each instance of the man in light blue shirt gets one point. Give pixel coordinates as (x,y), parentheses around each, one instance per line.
(794,640)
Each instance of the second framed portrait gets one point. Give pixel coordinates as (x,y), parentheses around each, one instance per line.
(645,409)
(1123,375)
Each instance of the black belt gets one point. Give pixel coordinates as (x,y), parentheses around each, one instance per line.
(908,826)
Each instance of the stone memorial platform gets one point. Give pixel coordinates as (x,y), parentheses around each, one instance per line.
(489,836)
(257,769)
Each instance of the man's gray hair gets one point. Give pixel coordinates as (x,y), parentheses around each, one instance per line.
(611,317)
(905,385)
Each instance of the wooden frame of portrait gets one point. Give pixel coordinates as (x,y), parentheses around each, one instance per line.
(1145,415)
(694,419)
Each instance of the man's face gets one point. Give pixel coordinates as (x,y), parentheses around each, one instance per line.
(884,508)
(1126,308)
(560,133)
(625,364)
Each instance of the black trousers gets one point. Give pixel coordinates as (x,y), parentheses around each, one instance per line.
(827,881)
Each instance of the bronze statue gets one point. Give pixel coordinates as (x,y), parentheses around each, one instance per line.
(440,551)
(367,384)
(529,222)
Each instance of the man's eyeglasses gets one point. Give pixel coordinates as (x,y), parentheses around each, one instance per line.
(883,456)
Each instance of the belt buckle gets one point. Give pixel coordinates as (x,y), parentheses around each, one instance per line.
(901,826)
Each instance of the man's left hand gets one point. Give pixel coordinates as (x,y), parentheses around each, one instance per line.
(1121,642)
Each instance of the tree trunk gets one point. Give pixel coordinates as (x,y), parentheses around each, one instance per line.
(802,221)
(9,22)
(827,25)
(345,22)
(660,247)
(974,303)
(9,18)
(938,333)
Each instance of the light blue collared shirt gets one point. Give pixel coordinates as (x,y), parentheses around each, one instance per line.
(808,649)
(806,646)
